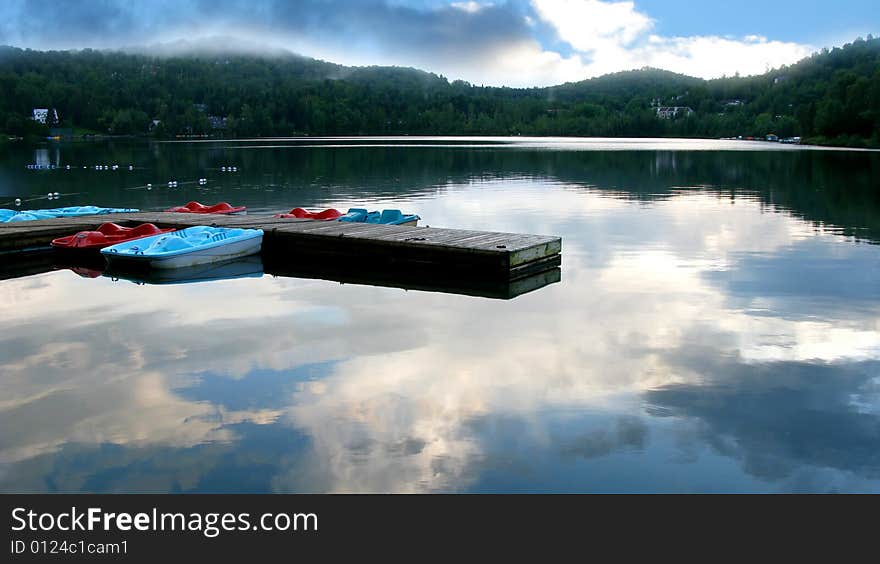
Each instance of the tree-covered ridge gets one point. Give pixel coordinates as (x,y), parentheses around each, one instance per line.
(830,97)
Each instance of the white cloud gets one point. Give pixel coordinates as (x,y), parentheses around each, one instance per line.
(522,64)
(711,57)
(589,25)
(471,7)
(614,36)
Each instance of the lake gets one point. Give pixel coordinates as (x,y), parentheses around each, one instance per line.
(716,327)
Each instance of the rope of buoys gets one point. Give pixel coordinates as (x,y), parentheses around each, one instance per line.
(171,184)
(49,196)
(130,167)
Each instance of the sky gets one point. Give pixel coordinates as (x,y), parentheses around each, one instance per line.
(491,42)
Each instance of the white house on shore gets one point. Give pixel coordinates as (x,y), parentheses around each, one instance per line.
(42,115)
(673,112)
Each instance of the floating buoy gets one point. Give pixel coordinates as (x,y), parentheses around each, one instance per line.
(149,186)
(49,195)
(18,201)
(57,194)
(68,167)
(130,167)
(171,185)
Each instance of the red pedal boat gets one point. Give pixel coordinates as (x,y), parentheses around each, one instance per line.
(196,207)
(299,213)
(106,235)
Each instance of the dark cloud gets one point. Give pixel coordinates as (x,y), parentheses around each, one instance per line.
(778,418)
(630,433)
(439,30)
(44,23)
(375,26)
(258,389)
(812,278)
(245,466)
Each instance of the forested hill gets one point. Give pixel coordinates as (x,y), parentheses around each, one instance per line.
(831,97)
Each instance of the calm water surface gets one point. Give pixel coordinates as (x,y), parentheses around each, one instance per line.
(716,328)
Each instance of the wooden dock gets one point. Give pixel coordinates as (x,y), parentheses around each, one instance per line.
(461,261)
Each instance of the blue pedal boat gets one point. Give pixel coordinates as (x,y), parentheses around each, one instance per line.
(187,247)
(7,215)
(387,217)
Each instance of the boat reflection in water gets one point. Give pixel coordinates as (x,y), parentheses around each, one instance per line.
(83,264)
(247,267)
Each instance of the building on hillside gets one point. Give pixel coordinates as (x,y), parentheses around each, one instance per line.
(46,116)
(217,122)
(674,112)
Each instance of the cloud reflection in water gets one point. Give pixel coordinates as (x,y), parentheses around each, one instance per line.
(682,344)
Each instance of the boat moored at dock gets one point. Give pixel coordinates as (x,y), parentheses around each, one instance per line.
(10,216)
(222,208)
(300,213)
(386,217)
(354,215)
(105,235)
(187,247)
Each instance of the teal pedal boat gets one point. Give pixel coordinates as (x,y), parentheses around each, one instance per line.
(387,217)
(7,215)
(187,247)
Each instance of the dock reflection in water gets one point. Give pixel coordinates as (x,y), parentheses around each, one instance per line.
(17,265)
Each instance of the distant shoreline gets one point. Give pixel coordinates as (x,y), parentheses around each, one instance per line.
(570,141)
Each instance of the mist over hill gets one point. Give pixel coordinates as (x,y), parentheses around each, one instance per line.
(231,89)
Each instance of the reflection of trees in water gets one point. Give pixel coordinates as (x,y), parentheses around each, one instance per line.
(839,188)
